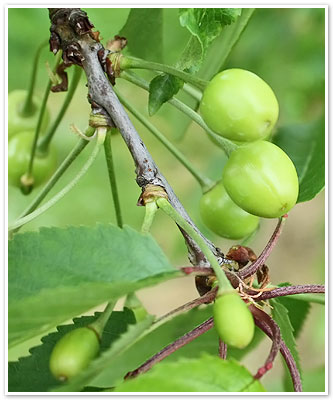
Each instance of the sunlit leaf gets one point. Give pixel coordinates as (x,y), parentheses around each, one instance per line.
(57,274)
(205,374)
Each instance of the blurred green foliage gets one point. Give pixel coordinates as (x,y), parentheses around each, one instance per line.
(285,46)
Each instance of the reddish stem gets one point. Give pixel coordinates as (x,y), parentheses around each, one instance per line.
(262,318)
(205,299)
(252,268)
(290,290)
(171,348)
(286,354)
(223,350)
(202,271)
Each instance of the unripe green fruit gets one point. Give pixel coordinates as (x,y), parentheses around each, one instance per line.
(19,150)
(239,105)
(18,122)
(233,320)
(223,216)
(261,179)
(73,352)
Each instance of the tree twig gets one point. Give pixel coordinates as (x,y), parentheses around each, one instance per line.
(71,31)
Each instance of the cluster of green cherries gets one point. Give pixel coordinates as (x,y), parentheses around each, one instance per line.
(23,115)
(259,179)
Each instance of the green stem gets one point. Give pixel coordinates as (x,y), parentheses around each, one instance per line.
(29,107)
(192,91)
(204,181)
(127,62)
(37,130)
(24,220)
(112,177)
(82,143)
(226,145)
(44,143)
(150,211)
(223,282)
(99,325)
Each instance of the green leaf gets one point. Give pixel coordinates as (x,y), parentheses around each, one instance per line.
(281,316)
(318,298)
(165,334)
(110,356)
(204,374)
(161,89)
(305,145)
(298,310)
(205,24)
(144,33)
(57,274)
(221,47)
(32,374)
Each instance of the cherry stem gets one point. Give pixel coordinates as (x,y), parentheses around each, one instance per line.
(171,348)
(223,282)
(29,106)
(150,212)
(57,175)
(265,319)
(39,122)
(112,178)
(45,142)
(205,182)
(126,62)
(24,220)
(37,130)
(205,299)
(99,324)
(286,354)
(226,145)
(223,350)
(193,92)
(252,269)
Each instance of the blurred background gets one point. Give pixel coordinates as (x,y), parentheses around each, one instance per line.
(284,46)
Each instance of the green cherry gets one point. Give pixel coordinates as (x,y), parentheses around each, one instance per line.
(223,216)
(73,352)
(233,320)
(19,150)
(239,106)
(17,121)
(260,178)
